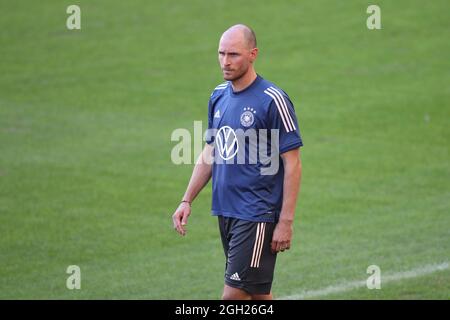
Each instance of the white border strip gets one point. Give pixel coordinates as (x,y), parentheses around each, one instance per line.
(362,284)
(255,246)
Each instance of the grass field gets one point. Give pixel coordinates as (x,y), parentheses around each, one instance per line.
(85,124)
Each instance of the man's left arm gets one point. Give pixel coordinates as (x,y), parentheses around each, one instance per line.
(282,235)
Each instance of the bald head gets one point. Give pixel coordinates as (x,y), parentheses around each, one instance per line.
(241,33)
(237,52)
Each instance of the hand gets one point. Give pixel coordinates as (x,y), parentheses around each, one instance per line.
(282,235)
(180,217)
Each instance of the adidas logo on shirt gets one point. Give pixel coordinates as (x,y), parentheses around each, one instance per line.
(217,114)
(235,276)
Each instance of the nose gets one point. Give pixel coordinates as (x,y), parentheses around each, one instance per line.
(226,60)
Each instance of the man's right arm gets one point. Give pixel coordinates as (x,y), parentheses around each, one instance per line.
(200,177)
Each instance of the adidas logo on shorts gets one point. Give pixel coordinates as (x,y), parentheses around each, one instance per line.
(235,276)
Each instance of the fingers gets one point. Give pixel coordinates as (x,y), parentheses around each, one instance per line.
(184,219)
(284,246)
(273,246)
(180,220)
(277,246)
(177,223)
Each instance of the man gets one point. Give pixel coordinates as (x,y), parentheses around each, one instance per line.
(255,210)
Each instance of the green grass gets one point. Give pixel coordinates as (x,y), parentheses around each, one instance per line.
(85,124)
(430,287)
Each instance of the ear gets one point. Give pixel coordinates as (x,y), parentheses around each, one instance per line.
(253,54)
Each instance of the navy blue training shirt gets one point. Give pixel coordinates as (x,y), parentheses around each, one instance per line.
(250,129)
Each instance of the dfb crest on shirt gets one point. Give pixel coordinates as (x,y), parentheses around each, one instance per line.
(247,117)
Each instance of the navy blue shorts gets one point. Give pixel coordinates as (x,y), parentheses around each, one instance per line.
(250,263)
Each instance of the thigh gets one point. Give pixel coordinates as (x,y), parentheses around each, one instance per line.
(230,293)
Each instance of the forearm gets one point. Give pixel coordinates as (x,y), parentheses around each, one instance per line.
(200,175)
(291,186)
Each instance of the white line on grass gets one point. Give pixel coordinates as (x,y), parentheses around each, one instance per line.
(362,283)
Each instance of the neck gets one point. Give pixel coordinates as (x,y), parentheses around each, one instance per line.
(244,81)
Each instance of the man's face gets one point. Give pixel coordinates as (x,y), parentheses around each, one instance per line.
(235,57)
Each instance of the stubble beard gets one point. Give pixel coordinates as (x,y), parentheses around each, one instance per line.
(237,77)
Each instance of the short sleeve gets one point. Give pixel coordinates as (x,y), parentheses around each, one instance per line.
(282,117)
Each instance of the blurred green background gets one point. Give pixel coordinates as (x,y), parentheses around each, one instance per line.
(86,118)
